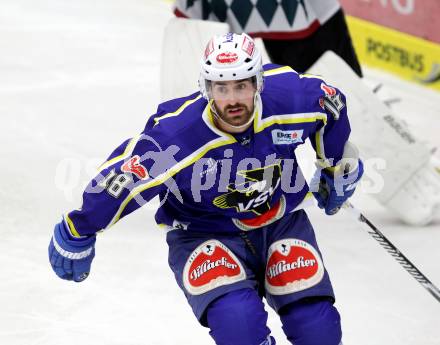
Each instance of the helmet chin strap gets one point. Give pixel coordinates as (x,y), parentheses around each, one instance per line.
(227,126)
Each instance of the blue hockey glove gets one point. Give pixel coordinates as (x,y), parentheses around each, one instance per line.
(70,257)
(332,191)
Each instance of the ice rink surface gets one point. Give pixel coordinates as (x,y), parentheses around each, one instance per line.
(76,79)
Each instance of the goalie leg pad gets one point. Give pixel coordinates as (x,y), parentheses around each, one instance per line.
(418,200)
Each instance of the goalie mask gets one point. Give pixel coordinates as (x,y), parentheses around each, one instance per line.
(230,57)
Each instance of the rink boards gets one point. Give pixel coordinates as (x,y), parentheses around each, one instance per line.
(407,56)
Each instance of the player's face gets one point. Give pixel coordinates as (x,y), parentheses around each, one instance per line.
(234,100)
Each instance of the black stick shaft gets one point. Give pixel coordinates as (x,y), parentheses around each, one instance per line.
(400,258)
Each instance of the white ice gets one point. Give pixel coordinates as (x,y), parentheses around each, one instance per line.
(76,79)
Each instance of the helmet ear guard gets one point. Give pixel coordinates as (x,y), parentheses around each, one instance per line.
(230,57)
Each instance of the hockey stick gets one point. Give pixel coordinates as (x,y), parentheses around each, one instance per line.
(391,248)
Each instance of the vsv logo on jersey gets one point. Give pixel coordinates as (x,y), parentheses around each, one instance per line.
(133,166)
(210,265)
(255,194)
(293,265)
(275,213)
(280,137)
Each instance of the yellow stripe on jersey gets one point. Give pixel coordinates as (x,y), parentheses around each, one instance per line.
(323,161)
(127,152)
(279,70)
(319,143)
(289,119)
(325,165)
(178,111)
(308,196)
(288,69)
(308,75)
(71,226)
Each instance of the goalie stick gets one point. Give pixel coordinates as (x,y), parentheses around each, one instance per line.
(396,253)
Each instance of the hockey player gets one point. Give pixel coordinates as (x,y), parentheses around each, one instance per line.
(222,161)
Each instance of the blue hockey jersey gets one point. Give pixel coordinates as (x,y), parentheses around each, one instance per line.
(211,181)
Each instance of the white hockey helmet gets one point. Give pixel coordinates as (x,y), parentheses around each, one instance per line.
(230,57)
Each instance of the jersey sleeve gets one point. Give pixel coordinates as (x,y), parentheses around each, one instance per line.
(133,174)
(333,131)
